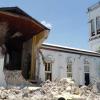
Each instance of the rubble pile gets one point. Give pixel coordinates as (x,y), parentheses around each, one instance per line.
(68,89)
(15,78)
(50,91)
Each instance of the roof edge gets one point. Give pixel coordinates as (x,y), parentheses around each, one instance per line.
(71,50)
(24,14)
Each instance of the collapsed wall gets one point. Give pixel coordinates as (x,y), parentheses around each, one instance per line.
(15,78)
(10,77)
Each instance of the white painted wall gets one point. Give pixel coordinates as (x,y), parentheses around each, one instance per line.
(95,43)
(2,76)
(60,63)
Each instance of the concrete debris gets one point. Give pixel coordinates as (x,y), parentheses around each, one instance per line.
(65,88)
(68,89)
(15,78)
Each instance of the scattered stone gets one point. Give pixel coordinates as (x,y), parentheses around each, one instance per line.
(15,78)
(48,90)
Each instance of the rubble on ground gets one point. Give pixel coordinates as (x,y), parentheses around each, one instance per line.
(48,90)
(15,78)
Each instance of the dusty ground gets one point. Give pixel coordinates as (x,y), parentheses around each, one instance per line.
(20,89)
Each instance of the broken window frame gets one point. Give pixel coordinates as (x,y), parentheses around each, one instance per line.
(98,24)
(48,71)
(86,68)
(92,27)
(69,70)
(86,72)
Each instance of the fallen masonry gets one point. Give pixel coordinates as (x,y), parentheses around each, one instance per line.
(15,78)
(47,90)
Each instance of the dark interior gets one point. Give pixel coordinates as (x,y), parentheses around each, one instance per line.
(26,67)
(14,49)
(87,79)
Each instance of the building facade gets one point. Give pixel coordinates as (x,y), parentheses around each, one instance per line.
(83,66)
(94,27)
(56,62)
(20,38)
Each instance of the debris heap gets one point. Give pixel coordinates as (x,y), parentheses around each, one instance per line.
(15,78)
(48,90)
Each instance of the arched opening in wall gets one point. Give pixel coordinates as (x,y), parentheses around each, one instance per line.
(16,57)
(86,73)
(48,60)
(13,57)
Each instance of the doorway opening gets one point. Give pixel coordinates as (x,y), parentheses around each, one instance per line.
(14,53)
(18,57)
(86,74)
(87,79)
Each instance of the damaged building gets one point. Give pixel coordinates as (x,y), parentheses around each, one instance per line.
(66,62)
(22,48)
(83,66)
(20,38)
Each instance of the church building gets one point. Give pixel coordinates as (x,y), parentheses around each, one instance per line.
(83,66)
(21,48)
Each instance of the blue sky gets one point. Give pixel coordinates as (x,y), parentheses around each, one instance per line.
(68,19)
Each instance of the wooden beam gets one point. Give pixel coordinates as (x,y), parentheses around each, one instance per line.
(36,43)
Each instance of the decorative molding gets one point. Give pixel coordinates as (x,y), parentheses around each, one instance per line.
(86,61)
(69,60)
(49,58)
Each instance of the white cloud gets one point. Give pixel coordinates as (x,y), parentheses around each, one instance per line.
(48,25)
